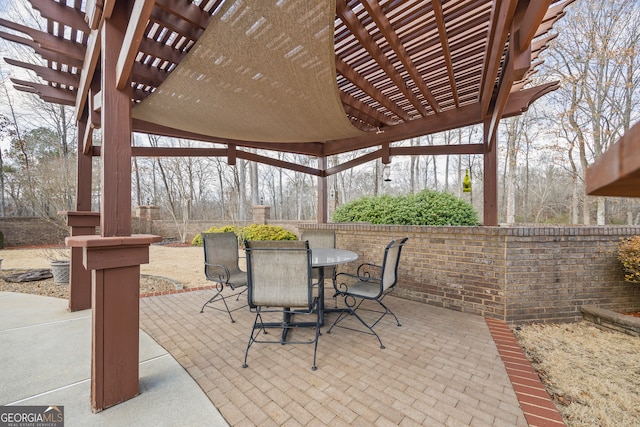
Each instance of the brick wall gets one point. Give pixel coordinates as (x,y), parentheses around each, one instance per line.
(517,274)
(21,231)
(169,229)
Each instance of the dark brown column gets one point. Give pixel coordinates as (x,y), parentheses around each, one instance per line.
(82,222)
(115,205)
(322,216)
(490,178)
(115,256)
(115,265)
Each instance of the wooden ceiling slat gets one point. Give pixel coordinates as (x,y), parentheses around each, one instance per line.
(161,51)
(374,10)
(187,12)
(176,24)
(350,19)
(375,118)
(148,76)
(355,78)
(437,9)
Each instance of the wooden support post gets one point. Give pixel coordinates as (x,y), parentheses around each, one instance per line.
(115,256)
(82,222)
(115,265)
(490,177)
(322,216)
(115,153)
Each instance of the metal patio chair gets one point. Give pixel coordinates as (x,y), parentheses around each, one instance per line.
(221,266)
(279,281)
(371,282)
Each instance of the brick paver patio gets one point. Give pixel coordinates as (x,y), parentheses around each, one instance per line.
(440,368)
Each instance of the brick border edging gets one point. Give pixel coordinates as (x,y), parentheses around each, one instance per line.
(535,402)
(177,291)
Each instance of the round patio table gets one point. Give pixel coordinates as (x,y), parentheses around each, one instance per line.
(328,257)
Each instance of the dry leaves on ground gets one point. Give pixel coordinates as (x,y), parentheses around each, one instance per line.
(593,375)
(148,284)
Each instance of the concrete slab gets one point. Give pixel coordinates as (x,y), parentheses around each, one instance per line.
(45,359)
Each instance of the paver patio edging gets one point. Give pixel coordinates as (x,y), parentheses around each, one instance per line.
(538,408)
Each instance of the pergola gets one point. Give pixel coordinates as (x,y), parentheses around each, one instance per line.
(311,77)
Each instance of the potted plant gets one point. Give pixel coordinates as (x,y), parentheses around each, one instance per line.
(59,262)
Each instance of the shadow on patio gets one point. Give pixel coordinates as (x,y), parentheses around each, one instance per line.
(441,367)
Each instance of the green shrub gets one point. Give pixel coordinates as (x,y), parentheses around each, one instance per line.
(629,256)
(197,240)
(266,232)
(252,232)
(425,208)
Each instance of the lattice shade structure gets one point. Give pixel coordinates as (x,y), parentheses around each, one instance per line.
(403,68)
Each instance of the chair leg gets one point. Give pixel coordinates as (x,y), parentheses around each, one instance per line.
(218,296)
(351,311)
(259,326)
(318,323)
(387,310)
(252,337)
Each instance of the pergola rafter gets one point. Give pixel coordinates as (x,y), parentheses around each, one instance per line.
(391,55)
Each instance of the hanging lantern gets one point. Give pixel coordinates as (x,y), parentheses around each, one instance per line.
(386,173)
(466,183)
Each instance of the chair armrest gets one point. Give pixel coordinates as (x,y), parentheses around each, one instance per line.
(353,276)
(364,271)
(222,277)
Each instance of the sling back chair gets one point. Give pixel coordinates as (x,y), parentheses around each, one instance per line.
(279,281)
(321,239)
(221,266)
(371,282)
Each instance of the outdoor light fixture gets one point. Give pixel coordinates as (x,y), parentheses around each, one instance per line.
(386,173)
(466,183)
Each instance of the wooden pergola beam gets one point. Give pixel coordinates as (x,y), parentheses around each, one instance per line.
(52,94)
(60,12)
(47,41)
(48,74)
(502,13)
(135,30)
(381,20)
(442,30)
(350,19)
(354,77)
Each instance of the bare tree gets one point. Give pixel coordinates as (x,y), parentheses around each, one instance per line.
(594,56)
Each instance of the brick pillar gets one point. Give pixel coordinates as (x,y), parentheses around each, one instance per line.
(148,213)
(261,214)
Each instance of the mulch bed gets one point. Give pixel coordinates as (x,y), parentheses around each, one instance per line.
(47,287)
